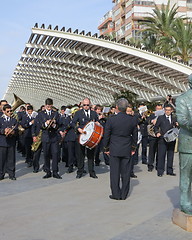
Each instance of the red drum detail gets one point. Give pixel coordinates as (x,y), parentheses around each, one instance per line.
(93,132)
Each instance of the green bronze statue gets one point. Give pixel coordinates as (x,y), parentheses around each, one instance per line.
(184,118)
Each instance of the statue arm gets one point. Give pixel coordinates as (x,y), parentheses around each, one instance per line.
(184,114)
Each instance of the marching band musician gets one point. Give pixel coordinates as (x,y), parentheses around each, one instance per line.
(153,140)
(62,150)
(21,145)
(26,123)
(102,120)
(8,131)
(164,123)
(49,122)
(35,130)
(2,103)
(68,136)
(82,117)
(130,112)
(143,122)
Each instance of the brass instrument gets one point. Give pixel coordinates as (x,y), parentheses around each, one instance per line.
(10,131)
(74,110)
(36,145)
(17,102)
(147,113)
(51,122)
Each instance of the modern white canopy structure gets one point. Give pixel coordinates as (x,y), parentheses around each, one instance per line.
(68,66)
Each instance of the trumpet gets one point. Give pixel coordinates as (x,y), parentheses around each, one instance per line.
(147,113)
(9,132)
(51,122)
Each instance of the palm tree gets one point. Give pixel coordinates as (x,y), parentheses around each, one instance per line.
(182,40)
(161,21)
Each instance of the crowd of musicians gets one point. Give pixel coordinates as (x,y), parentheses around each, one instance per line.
(54,133)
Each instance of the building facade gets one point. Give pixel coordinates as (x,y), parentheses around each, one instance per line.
(126,16)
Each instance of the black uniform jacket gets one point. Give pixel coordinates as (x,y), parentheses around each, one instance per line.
(163,124)
(7,141)
(65,125)
(121,135)
(80,119)
(49,134)
(25,123)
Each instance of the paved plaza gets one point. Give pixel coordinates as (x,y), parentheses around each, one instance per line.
(33,208)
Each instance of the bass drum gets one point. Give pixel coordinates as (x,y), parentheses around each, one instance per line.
(91,136)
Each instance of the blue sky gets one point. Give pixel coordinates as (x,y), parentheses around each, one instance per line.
(17,17)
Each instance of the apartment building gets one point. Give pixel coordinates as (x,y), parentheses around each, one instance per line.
(126,16)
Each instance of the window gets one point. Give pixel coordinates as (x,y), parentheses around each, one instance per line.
(128,26)
(128,14)
(117,12)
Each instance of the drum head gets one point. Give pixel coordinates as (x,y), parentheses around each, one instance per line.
(89,128)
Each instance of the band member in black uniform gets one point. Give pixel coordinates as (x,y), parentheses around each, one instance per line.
(68,138)
(36,134)
(102,120)
(26,123)
(130,112)
(63,151)
(143,122)
(120,141)
(2,103)
(49,121)
(81,118)
(8,131)
(21,145)
(153,140)
(163,124)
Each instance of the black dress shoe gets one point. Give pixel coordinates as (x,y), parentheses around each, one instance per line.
(79,176)
(133,176)
(48,175)
(35,171)
(111,197)
(93,175)
(144,163)
(56,175)
(29,164)
(160,175)
(171,174)
(97,164)
(70,170)
(150,170)
(12,178)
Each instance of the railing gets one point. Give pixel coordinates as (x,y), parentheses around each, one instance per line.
(106,16)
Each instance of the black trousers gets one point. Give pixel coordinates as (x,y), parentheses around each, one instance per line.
(71,153)
(165,148)
(81,159)
(50,148)
(144,143)
(7,161)
(36,158)
(120,168)
(29,154)
(153,152)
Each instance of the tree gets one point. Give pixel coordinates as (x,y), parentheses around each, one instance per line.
(182,40)
(130,96)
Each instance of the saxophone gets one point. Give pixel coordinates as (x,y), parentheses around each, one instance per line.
(35,145)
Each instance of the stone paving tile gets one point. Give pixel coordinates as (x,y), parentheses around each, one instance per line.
(157,228)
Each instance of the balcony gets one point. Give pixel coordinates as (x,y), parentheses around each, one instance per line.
(106,16)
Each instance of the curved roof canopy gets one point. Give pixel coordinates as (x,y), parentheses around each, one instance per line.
(68,66)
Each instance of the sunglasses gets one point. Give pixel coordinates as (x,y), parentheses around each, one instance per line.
(86,105)
(9,111)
